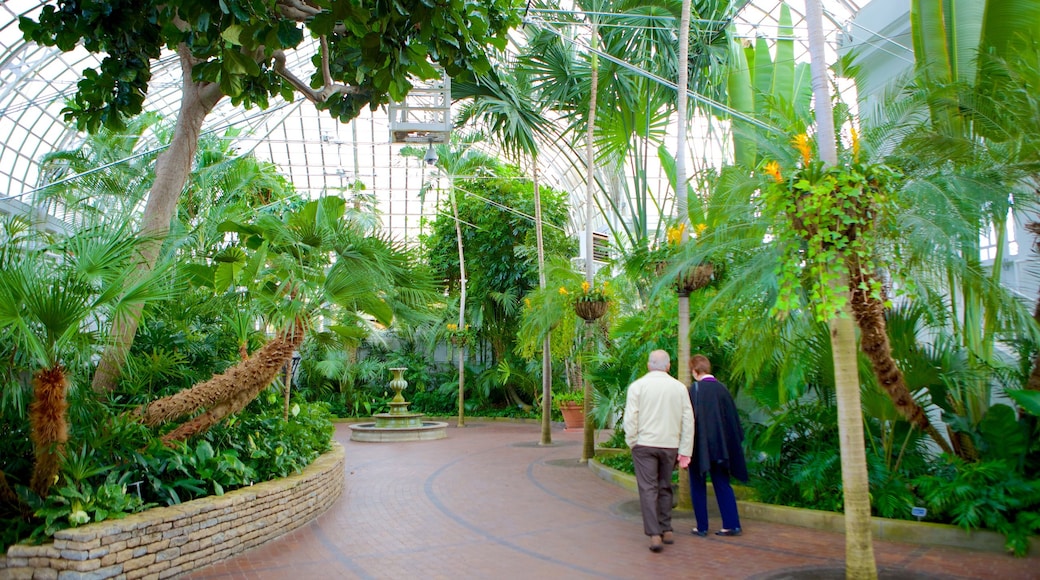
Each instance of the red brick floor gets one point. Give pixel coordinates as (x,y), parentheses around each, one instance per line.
(489,502)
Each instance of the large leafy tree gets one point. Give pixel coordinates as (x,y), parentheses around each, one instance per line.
(505,104)
(498,234)
(368,52)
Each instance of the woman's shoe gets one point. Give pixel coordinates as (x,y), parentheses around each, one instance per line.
(733,532)
(700,533)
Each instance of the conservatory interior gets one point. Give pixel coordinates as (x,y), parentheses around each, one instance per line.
(229,231)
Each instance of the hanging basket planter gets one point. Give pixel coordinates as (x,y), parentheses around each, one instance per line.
(690,279)
(590,310)
(459,339)
(695,278)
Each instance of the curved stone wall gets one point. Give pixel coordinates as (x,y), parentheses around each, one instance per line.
(168,541)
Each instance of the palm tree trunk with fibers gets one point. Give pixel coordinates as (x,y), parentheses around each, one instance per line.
(869,313)
(588,449)
(172,169)
(462,307)
(682,209)
(247,377)
(50,430)
(859,547)
(280,353)
(546,438)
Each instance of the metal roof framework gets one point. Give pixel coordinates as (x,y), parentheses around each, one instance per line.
(316,152)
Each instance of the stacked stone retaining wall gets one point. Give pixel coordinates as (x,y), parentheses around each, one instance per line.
(169,541)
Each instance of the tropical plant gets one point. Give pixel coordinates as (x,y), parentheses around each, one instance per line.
(294,278)
(58,298)
(505,268)
(248,65)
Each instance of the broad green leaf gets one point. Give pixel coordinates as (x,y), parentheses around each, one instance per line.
(1028,400)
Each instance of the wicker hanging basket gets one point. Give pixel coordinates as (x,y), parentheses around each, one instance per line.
(695,278)
(590,310)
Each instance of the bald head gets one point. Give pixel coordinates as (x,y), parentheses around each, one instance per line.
(659,361)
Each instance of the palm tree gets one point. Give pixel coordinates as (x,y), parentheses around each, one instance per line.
(979,126)
(505,104)
(296,280)
(58,300)
(859,548)
(456,160)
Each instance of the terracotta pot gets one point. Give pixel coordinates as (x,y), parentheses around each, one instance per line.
(573,414)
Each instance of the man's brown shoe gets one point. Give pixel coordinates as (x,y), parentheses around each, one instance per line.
(667,537)
(655,544)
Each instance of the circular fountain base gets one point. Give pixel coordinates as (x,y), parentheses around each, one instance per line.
(390,427)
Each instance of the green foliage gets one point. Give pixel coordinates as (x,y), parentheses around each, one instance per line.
(990,494)
(796,458)
(621,462)
(373,52)
(499,239)
(826,218)
(617,440)
(560,397)
(78,502)
(115,458)
(271,447)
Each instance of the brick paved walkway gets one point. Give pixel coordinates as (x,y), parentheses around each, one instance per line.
(489,502)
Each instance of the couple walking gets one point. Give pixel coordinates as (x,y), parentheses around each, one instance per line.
(698,428)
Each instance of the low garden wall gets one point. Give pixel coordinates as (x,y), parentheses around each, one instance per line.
(167,541)
(927,533)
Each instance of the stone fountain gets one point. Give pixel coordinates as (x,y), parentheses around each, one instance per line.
(399,424)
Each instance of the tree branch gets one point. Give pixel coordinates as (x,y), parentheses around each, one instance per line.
(297,10)
(330,88)
(279,67)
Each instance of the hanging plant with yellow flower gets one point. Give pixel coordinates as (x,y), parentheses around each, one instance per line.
(825,218)
(589,301)
(587,292)
(459,336)
(690,278)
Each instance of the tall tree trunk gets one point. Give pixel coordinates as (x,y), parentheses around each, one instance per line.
(870,317)
(245,379)
(859,547)
(462,306)
(49,426)
(683,211)
(588,449)
(546,435)
(172,168)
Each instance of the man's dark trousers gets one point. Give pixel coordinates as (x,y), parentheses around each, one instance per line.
(654,466)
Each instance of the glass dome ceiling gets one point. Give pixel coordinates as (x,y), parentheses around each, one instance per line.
(315,151)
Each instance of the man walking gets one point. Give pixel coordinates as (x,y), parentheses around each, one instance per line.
(659,429)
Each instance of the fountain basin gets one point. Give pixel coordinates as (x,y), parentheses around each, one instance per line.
(418,431)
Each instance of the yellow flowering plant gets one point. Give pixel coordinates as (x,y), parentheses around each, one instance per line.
(667,255)
(587,292)
(826,219)
(458,336)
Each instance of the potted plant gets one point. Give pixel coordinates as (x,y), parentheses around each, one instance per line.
(572,406)
(687,279)
(591,303)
